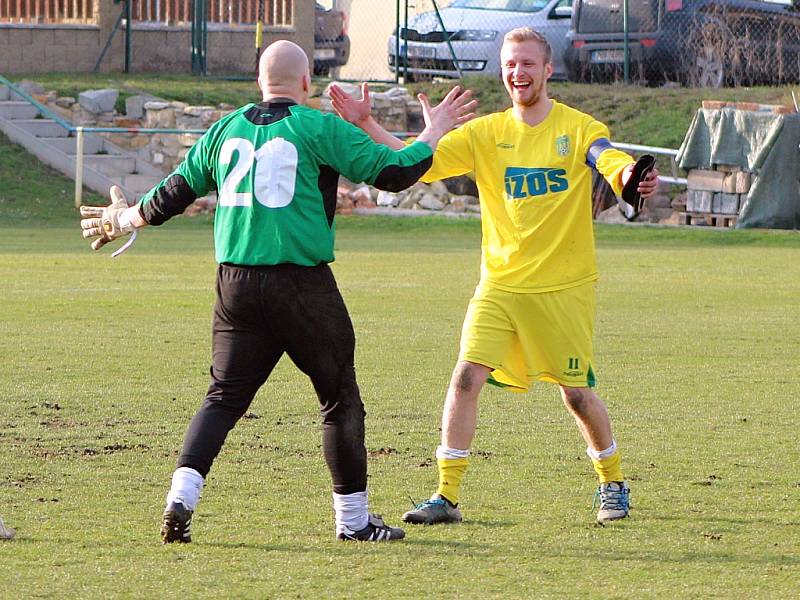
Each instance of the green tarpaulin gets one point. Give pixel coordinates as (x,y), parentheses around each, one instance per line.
(764,144)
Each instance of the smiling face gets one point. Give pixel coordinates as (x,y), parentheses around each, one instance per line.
(526,70)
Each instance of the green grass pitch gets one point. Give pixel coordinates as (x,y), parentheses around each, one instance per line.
(105,361)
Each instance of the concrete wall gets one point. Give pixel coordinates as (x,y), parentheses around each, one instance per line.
(45,48)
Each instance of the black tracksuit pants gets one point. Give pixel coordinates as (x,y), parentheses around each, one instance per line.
(260,313)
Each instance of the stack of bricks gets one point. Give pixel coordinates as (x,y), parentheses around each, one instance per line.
(776,109)
(714,197)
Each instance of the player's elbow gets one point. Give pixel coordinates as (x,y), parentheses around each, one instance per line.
(395,178)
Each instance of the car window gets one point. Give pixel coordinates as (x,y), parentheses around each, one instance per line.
(510,5)
(605,16)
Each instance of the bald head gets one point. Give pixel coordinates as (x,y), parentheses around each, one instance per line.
(283,71)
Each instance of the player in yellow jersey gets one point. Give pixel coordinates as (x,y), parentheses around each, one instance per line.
(532,314)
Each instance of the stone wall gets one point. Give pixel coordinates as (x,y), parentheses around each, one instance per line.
(76,48)
(29,49)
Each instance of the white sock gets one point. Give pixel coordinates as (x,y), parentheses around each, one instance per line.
(351,511)
(602,454)
(451,453)
(186,487)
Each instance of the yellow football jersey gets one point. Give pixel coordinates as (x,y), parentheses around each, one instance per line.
(535,192)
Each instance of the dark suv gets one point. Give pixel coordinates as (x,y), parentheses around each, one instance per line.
(706,43)
(331,42)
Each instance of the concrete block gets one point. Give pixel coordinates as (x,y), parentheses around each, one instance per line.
(98,101)
(698,200)
(134,106)
(710,181)
(111,165)
(18,110)
(42,127)
(65,37)
(736,183)
(743,182)
(725,204)
(68,145)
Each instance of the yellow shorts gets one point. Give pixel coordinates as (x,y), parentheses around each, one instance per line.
(526,337)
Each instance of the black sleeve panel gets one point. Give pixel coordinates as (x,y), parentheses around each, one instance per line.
(395,178)
(327,182)
(171,198)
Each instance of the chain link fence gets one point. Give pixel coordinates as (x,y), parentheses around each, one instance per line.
(704,43)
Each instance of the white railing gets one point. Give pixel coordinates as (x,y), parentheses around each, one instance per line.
(277,13)
(40,12)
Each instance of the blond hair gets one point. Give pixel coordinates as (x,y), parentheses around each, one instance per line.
(526,34)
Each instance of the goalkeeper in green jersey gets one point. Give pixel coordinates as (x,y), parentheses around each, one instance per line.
(275,166)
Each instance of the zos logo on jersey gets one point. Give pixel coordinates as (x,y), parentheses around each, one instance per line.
(526,182)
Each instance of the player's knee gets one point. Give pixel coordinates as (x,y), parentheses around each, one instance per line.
(468,376)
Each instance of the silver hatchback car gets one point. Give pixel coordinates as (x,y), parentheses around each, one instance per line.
(475,29)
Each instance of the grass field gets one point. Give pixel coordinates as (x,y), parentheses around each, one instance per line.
(105,362)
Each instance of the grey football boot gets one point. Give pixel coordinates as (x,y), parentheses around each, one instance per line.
(435,510)
(614,499)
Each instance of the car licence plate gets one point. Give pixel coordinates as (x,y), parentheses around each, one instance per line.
(324,53)
(420,52)
(607,56)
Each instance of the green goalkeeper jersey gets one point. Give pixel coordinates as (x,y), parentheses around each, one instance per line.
(275,166)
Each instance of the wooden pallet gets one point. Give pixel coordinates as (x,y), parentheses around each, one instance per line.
(709,219)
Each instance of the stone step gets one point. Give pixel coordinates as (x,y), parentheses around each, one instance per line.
(3,93)
(41,127)
(111,165)
(138,184)
(91,145)
(17,110)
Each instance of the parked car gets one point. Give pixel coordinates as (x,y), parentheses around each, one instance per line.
(475,29)
(707,43)
(331,42)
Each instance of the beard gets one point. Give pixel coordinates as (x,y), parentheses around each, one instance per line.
(535,96)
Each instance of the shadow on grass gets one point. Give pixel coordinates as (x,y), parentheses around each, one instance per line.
(489,523)
(719,557)
(698,520)
(293,548)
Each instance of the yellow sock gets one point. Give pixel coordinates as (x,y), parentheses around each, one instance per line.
(451,470)
(608,469)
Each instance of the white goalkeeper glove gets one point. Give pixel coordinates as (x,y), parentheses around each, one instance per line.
(110,222)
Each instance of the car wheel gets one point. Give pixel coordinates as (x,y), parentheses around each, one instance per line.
(709,67)
(707,48)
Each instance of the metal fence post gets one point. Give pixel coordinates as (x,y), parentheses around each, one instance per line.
(397,41)
(626,66)
(405,46)
(128,17)
(79,167)
(447,39)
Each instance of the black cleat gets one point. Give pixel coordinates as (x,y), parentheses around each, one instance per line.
(375,531)
(177,524)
